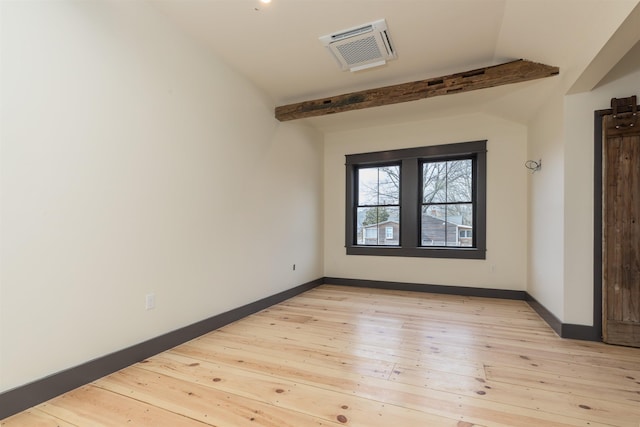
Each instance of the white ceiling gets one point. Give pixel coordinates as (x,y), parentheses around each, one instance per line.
(276,46)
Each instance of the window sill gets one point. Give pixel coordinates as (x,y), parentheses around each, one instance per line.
(422,252)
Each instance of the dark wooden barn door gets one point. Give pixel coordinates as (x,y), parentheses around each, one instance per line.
(621,225)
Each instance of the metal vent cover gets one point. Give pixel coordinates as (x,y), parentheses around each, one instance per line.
(361,47)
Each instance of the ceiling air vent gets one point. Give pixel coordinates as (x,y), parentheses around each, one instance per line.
(361,47)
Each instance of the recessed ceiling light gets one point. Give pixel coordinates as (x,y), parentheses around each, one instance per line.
(265,1)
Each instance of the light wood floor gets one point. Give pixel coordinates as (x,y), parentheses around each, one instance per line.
(338,356)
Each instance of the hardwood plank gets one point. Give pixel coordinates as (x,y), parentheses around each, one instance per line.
(92,406)
(360,365)
(467,409)
(34,418)
(201,403)
(314,401)
(481,78)
(464,310)
(350,329)
(391,355)
(551,401)
(576,386)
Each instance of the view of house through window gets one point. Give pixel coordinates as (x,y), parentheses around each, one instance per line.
(378,205)
(447,203)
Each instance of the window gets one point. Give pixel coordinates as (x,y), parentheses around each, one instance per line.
(446,201)
(388,233)
(378,203)
(420,202)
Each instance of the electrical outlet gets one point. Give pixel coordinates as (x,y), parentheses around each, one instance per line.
(150,301)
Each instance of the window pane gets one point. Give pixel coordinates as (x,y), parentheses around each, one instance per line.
(378,226)
(446,182)
(434,182)
(434,226)
(459,178)
(447,225)
(389,185)
(379,186)
(368,186)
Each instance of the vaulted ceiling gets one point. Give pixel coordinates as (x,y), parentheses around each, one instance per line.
(276,46)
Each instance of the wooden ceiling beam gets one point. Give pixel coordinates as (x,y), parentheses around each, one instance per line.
(481,78)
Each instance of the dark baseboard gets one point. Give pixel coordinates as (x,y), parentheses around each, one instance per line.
(26,396)
(564,330)
(581,332)
(546,315)
(435,289)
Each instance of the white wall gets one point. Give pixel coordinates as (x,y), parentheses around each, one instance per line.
(546,207)
(505,266)
(134,162)
(579,170)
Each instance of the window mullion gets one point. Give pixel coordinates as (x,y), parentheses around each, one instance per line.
(409,203)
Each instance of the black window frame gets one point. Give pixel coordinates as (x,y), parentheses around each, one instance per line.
(411,160)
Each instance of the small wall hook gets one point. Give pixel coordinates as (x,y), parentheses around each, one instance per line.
(533,166)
